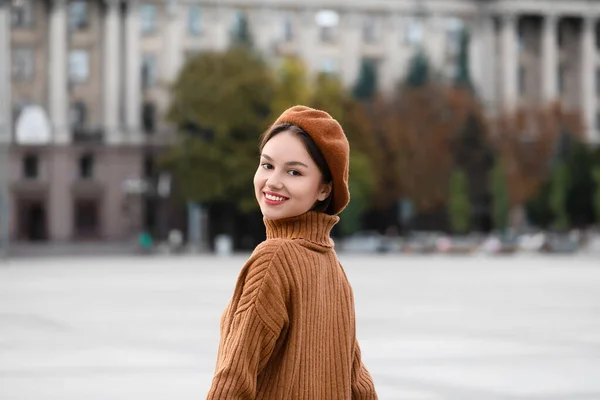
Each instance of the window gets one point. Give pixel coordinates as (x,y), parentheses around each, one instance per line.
(195,20)
(79,66)
(522,79)
(23,63)
(329,66)
(148,71)
(78,15)
(148,18)
(239,29)
(369,30)
(288,29)
(77,115)
(86,218)
(86,166)
(31,166)
(148,117)
(327,21)
(22,14)
(414,31)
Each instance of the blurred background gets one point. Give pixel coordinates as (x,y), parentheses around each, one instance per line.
(133,125)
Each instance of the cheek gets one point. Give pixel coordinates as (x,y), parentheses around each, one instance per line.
(259,180)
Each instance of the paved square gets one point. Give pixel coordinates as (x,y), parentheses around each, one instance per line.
(435,327)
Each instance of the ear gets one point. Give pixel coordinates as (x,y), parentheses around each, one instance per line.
(324,191)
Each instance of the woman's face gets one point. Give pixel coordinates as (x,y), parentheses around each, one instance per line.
(287,182)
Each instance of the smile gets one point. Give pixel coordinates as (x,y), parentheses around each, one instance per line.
(273,199)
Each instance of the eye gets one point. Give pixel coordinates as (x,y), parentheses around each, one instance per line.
(266,166)
(293,172)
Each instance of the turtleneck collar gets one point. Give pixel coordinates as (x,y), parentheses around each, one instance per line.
(312,226)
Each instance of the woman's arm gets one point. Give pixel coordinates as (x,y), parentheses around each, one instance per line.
(363,387)
(254,320)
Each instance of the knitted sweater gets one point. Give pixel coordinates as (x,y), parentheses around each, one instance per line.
(289,330)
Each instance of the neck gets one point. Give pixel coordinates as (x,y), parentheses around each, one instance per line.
(312,226)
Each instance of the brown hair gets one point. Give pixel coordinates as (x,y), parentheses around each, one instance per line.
(314,152)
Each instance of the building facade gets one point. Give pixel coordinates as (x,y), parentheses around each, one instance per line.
(84,83)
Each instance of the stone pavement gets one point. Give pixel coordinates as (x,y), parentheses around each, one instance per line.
(479,328)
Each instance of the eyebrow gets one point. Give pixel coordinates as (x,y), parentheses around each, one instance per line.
(289,163)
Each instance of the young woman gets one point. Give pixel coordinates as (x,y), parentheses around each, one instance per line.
(289,330)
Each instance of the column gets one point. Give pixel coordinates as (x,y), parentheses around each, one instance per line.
(58,72)
(394,54)
(510,62)
(482,58)
(220,28)
(588,77)
(476,48)
(5,76)
(262,26)
(350,36)
(112,60)
(5,127)
(549,58)
(132,72)
(175,36)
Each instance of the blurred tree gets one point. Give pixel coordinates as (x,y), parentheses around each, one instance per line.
(596,175)
(459,207)
(292,86)
(499,193)
(416,131)
(366,84)
(330,95)
(220,104)
(580,197)
(559,187)
(528,141)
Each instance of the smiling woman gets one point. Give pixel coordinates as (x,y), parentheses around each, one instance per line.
(293,176)
(289,330)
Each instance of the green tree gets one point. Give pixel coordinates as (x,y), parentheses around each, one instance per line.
(292,86)
(366,85)
(220,104)
(596,175)
(459,207)
(361,188)
(499,191)
(559,188)
(329,95)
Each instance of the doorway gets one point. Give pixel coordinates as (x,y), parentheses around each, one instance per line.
(32,222)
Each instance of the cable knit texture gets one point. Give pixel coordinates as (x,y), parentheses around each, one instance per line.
(289,329)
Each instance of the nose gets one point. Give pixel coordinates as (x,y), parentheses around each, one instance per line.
(274,181)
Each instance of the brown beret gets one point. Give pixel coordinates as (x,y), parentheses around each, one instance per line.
(331,140)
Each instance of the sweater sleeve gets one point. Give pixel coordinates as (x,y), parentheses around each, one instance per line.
(252,324)
(363,387)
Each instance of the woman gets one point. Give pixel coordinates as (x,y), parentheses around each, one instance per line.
(289,330)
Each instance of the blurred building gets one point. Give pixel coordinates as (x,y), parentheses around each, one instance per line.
(83,112)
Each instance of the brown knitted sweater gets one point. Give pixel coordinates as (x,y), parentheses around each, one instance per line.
(289,330)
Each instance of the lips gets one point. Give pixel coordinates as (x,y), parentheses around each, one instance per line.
(274,199)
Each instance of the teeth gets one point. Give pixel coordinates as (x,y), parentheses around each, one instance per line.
(275,198)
